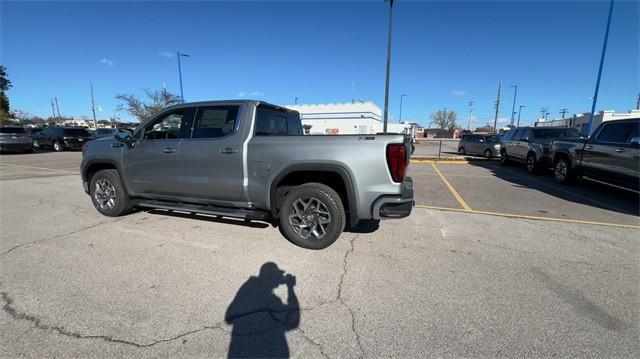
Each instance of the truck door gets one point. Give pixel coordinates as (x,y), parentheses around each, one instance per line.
(609,154)
(150,166)
(211,160)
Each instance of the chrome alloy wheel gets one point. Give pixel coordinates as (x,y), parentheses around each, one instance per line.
(560,171)
(310,217)
(531,163)
(105,194)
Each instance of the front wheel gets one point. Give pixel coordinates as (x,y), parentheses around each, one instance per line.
(108,194)
(57,146)
(312,216)
(488,154)
(504,158)
(462,151)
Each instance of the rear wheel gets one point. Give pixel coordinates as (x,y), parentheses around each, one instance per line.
(108,194)
(532,164)
(461,151)
(312,216)
(488,154)
(562,171)
(504,158)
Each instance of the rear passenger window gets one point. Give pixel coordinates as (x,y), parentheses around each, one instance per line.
(277,122)
(215,121)
(616,132)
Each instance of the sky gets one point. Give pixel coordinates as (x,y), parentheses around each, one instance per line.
(444,54)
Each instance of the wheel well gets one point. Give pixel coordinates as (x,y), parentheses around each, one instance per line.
(532,153)
(95,167)
(296,178)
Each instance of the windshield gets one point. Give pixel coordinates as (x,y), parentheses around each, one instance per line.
(556,133)
(12,130)
(76,132)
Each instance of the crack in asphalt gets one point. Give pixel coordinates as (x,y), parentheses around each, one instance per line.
(58,236)
(37,322)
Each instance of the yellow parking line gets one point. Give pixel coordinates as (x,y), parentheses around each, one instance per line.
(453,191)
(39,168)
(535,218)
(453,162)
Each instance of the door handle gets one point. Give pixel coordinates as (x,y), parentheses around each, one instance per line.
(228,150)
(619,150)
(117,145)
(588,147)
(169,150)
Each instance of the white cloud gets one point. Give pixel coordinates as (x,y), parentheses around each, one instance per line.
(166,54)
(256,93)
(106,61)
(457,93)
(241,94)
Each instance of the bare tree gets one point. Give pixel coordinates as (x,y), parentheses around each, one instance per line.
(145,110)
(445,122)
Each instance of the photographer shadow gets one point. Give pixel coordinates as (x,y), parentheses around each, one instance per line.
(259,318)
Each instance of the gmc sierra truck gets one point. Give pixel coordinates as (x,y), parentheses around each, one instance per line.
(250,160)
(611,155)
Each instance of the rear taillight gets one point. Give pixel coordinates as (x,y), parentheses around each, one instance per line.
(397,161)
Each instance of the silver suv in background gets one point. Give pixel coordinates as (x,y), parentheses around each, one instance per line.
(531,145)
(15,139)
(477,144)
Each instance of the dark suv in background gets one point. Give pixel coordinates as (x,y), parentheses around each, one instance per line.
(14,138)
(530,145)
(485,145)
(62,138)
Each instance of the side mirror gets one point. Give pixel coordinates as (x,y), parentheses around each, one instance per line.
(127,140)
(481,141)
(635,141)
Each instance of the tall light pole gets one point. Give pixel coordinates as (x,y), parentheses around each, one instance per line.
(470,112)
(495,119)
(513,108)
(179,55)
(604,50)
(386,88)
(295,100)
(520,113)
(401,96)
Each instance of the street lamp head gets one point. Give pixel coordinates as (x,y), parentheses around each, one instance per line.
(183,55)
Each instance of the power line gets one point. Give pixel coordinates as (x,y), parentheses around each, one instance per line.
(563,111)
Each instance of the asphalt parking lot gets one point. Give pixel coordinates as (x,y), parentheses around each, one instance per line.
(492,263)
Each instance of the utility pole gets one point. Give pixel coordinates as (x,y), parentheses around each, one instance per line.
(470,113)
(58,109)
(519,113)
(386,89)
(180,73)
(513,108)
(93,108)
(353,92)
(604,51)
(638,103)
(53,110)
(401,96)
(563,111)
(495,119)
(295,100)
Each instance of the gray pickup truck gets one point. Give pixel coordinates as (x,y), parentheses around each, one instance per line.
(611,155)
(250,159)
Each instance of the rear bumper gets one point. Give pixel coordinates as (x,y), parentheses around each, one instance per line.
(395,206)
(16,146)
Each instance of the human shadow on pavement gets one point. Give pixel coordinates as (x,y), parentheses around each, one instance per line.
(259,318)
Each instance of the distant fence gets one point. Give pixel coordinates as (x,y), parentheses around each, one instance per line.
(437,148)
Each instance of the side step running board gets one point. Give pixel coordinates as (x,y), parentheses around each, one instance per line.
(248,214)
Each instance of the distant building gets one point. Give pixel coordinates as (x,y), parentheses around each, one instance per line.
(346,119)
(581,121)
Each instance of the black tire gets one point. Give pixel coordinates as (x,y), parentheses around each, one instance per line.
(532,163)
(30,150)
(57,146)
(315,202)
(488,154)
(504,158)
(562,172)
(462,151)
(121,203)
